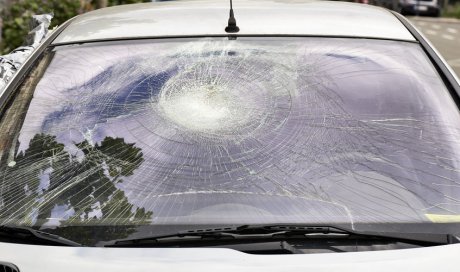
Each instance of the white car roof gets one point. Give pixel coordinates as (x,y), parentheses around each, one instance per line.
(254,17)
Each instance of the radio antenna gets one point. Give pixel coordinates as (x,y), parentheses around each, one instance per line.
(232,27)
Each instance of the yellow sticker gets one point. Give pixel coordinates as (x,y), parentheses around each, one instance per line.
(443,218)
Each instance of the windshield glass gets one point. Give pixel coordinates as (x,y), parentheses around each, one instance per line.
(217,131)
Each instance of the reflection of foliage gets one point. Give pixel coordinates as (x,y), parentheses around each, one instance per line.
(452,11)
(118,205)
(46,176)
(16,19)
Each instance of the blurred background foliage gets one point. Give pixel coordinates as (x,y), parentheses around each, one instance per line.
(16,14)
(453,10)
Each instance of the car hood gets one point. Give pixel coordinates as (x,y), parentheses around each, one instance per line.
(50,258)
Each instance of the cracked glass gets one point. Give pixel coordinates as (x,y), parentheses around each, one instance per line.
(218,131)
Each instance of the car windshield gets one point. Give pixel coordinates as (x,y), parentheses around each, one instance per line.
(216,131)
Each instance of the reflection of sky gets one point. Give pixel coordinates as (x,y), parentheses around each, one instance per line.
(129,99)
(122,81)
(336,133)
(59,213)
(45,179)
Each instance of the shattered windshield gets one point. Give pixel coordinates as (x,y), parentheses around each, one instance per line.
(218,131)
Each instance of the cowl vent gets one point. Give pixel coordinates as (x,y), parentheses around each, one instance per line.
(8,267)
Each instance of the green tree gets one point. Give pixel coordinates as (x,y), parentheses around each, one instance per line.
(17,14)
(16,18)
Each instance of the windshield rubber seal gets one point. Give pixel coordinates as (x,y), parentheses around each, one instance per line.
(231,37)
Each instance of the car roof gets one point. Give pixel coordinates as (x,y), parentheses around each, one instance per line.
(254,17)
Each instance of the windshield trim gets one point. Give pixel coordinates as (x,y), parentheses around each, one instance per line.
(231,37)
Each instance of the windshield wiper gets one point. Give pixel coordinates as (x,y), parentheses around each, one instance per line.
(278,232)
(27,235)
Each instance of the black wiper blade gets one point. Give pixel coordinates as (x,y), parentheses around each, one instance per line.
(27,235)
(331,231)
(267,232)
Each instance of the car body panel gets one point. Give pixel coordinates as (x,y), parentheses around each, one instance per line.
(71,259)
(201,18)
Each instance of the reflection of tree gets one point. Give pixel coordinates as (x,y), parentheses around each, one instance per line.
(81,183)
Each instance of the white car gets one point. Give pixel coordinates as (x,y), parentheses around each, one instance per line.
(292,136)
